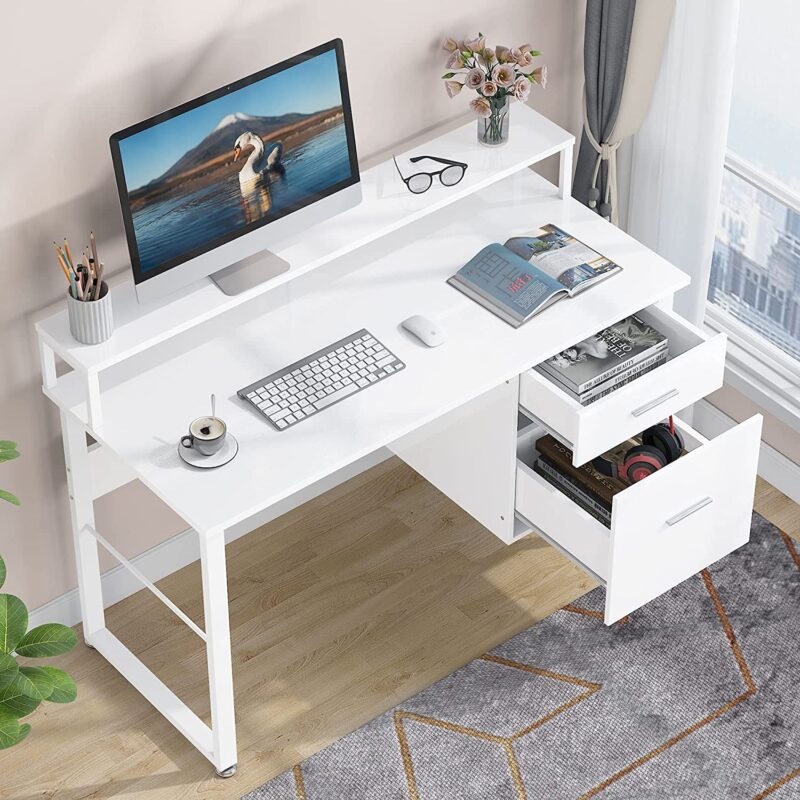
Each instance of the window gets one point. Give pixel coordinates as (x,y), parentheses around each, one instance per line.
(754,288)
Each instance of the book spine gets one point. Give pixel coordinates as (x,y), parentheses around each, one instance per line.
(605,488)
(582,482)
(575,489)
(563,489)
(587,398)
(624,366)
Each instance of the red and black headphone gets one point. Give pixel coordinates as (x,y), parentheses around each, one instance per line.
(661,445)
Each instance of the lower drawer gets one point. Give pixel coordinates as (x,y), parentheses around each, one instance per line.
(663,529)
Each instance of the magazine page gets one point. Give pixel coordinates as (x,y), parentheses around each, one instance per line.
(561,256)
(508,281)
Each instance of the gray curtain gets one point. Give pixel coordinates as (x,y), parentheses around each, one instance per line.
(605,53)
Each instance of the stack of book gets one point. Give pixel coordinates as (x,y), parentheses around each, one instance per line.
(611,358)
(584,485)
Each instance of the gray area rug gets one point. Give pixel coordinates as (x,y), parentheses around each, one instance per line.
(696,695)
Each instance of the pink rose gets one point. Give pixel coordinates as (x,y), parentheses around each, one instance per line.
(476,45)
(475,78)
(503,53)
(488,88)
(523,57)
(488,57)
(522,88)
(449,44)
(504,75)
(455,61)
(453,88)
(539,75)
(481,107)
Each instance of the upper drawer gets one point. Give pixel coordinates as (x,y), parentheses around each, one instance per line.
(695,368)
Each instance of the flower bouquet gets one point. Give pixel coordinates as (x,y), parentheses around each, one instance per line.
(498,75)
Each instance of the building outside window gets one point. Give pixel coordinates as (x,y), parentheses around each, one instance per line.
(754,288)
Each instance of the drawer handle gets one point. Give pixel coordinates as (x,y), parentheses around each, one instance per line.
(653,403)
(689,511)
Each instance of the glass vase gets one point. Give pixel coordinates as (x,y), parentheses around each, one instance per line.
(493,130)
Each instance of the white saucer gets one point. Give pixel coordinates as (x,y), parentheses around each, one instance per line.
(225,454)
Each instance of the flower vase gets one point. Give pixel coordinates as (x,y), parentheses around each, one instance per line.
(493,130)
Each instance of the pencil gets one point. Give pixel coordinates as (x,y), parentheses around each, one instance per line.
(61,263)
(93,274)
(69,255)
(64,258)
(93,245)
(87,271)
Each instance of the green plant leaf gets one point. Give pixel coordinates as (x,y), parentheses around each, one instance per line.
(13,622)
(2,571)
(9,730)
(6,445)
(23,683)
(4,495)
(46,641)
(448,75)
(24,730)
(8,455)
(15,698)
(64,688)
(8,669)
(41,682)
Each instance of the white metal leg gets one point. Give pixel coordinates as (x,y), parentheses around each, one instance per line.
(81,503)
(565,172)
(218,649)
(93,404)
(48,361)
(218,742)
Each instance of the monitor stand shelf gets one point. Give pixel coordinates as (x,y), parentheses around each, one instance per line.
(387,206)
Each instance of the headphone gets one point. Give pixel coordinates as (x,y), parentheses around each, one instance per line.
(661,445)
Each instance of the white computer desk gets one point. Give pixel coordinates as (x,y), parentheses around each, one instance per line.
(452,414)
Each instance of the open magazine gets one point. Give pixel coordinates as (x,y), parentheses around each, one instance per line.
(525,275)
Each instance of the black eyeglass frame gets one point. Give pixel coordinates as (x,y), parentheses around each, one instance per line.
(430,175)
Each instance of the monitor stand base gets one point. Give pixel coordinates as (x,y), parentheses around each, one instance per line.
(249,272)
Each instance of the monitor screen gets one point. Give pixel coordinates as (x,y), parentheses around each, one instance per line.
(215,168)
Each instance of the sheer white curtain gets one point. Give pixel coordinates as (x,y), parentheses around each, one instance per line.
(677,155)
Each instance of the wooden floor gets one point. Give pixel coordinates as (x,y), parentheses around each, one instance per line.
(339,610)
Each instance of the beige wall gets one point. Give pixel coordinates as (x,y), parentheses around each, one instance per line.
(75,72)
(775,433)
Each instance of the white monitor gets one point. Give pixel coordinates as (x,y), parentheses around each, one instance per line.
(210,187)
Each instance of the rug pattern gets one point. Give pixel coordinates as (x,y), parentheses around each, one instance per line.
(695,696)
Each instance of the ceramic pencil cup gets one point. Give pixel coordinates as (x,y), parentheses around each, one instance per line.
(91,321)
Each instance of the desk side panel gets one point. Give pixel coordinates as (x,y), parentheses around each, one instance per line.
(469,455)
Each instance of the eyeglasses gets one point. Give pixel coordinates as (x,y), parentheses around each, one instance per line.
(420,182)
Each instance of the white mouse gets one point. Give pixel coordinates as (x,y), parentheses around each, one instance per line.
(426,330)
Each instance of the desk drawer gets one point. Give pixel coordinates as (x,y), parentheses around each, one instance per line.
(665,528)
(695,369)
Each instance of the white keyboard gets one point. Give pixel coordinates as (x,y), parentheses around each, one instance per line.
(306,387)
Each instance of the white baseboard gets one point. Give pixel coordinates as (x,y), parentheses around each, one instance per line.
(773,466)
(181,550)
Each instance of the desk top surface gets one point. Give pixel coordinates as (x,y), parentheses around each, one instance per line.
(386,206)
(148,406)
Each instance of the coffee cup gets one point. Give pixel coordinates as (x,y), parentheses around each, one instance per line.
(206,435)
